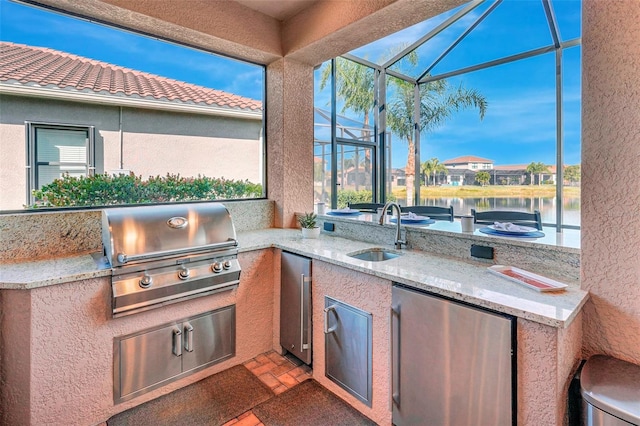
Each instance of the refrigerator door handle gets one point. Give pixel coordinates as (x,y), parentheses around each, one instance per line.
(395,355)
(328,330)
(303,280)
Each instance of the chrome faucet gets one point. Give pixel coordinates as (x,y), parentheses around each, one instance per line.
(398,242)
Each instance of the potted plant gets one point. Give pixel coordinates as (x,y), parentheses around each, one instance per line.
(309,227)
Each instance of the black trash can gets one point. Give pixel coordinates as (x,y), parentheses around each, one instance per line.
(610,391)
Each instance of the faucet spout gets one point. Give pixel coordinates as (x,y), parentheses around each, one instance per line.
(398,241)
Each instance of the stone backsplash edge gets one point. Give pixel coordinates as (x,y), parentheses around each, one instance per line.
(46,235)
(548,261)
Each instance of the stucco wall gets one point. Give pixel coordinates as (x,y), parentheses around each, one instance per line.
(610,179)
(290,144)
(63,374)
(154,142)
(370,294)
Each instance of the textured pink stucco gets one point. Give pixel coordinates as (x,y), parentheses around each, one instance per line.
(67,352)
(290,146)
(333,27)
(373,295)
(547,357)
(610,180)
(222,26)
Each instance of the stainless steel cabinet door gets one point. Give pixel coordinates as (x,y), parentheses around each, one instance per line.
(452,364)
(348,348)
(149,358)
(295,306)
(208,338)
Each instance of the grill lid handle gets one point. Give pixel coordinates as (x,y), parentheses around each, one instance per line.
(124,258)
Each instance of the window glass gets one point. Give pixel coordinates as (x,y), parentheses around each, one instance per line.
(511,152)
(513,27)
(60,151)
(426,55)
(489,136)
(322,188)
(400,128)
(355,97)
(354,175)
(379,51)
(164,114)
(571,120)
(569,18)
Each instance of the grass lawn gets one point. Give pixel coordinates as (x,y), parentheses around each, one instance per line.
(500,191)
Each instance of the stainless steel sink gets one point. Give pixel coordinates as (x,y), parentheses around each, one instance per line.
(376,254)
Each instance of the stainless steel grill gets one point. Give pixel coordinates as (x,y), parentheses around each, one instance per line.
(166,254)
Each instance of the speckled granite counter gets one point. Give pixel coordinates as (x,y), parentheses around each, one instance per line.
(459,279)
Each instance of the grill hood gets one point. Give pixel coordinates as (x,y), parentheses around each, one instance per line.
(133,235)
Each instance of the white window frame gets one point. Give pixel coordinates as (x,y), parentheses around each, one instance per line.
(31,128)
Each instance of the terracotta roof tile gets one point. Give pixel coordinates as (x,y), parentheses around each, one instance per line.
(467,159)
(48,67)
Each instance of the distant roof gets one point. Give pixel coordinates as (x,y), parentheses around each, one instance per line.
(36,66)
(467,159)
(511,167)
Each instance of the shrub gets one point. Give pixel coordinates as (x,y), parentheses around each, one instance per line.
(364,196)
(107,190)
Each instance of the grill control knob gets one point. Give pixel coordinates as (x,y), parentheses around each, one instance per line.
(216,267)
(146,281)
(226,264)
(183,274)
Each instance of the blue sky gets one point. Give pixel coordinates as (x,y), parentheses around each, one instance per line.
(36,27)
(520,124)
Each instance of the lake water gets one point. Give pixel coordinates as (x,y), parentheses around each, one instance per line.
(546,206)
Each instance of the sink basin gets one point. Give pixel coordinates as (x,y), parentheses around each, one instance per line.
(376,254)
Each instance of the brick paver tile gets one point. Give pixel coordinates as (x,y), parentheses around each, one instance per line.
(269,380)
(298,371)
(287,380)
(264,368)
(251,364)
(277,358)
(231,422)
(250,420)
(262,359)
(281,369)
(280,389)
(301,378)
(245,414)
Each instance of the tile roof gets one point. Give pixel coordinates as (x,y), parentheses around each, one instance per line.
(467,159)
(30,65)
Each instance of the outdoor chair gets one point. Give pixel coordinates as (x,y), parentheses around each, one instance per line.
(366,207)
(434,212)
(517,218)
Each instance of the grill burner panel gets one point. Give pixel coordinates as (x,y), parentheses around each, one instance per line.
(166,254)
(130,297)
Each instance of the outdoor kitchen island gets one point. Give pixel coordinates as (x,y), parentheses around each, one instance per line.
(57,358)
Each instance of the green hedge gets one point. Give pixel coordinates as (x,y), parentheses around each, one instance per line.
(350,196)
(105,190)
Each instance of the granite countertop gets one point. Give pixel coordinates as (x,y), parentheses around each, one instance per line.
(467,281)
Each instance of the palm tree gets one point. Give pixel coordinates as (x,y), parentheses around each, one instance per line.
(572,173)
(433,166)
(536,168)
(483,178)
(355,87)
(438,102)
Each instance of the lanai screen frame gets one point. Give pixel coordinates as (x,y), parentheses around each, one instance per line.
(379,108)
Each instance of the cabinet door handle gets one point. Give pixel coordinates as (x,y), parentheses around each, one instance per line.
(188,337)
(395,355)
(303,346)
(177,341)
(328,330)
